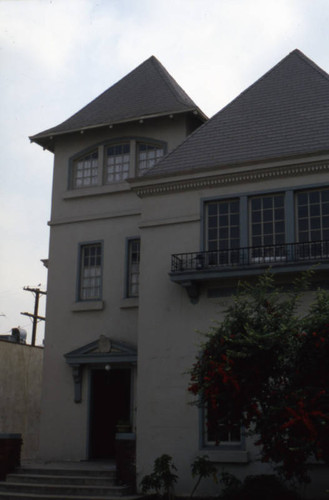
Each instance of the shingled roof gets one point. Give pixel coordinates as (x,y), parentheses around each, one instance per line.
(149,90)
(284,114)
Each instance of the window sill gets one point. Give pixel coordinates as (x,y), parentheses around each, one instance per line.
(228,456)
(88,305)
(129,303)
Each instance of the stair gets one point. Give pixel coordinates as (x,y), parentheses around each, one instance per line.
(66,482)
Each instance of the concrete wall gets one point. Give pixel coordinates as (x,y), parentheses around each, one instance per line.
(168,334)
(110,214)
(20,393)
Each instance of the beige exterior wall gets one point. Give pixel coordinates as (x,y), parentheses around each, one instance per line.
(163,323)
(110,214)
(169,338)
(20,393)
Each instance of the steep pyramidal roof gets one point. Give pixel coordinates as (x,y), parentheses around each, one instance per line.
(284,114)
(148,90)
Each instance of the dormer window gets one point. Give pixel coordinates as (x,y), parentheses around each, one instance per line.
(147,156)
(85,171)
(117,163)
(114,162)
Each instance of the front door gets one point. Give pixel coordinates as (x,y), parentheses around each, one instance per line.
(110,402)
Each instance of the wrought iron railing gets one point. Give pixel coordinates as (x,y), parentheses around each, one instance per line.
(306,252)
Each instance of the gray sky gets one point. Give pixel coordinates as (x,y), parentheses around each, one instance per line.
(58,55)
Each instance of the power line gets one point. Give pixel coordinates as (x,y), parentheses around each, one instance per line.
(35,316)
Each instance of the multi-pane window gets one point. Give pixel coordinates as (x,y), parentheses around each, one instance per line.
(147,156)
(133,267)
(117,163)
(267,223)
(85,171)
(313,223)
(223,231)
(221,432)
(90,285)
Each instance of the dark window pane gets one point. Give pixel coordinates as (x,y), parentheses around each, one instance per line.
(279,201)
(314,197)
(267,202)
(314,210)
(212,209)
(267,215)
(302,198)
(325,195)
(256,203)
(256,217)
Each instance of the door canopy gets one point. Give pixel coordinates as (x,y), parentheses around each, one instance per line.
(103,352)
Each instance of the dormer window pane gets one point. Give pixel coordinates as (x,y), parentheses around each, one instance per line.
(117,163)
(85,171)
(147,156)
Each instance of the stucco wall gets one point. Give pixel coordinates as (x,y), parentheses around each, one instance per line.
(20,392)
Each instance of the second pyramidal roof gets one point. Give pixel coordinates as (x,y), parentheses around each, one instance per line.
(284,114)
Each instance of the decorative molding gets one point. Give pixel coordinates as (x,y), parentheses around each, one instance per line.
(231,178)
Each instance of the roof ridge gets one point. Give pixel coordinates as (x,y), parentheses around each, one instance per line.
(171,82)
(311,63)
(281,96)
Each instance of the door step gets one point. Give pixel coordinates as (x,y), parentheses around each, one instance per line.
(64,483)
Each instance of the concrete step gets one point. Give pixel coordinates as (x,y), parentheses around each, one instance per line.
(7,495)
(69,470)
(63,490)
(50,478)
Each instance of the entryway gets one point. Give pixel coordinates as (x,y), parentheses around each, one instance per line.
(110,402)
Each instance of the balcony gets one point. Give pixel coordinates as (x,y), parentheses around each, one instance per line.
(190,269)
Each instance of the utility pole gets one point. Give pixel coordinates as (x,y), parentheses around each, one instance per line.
(35,316)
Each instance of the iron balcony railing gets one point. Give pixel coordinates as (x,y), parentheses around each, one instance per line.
(289,253)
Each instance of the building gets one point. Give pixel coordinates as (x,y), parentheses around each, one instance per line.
(157,213)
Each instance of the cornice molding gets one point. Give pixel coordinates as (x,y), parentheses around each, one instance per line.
(210,181)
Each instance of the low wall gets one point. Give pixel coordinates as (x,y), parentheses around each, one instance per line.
(20,393)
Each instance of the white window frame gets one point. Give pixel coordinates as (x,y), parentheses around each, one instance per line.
(148,154)
(117,164)
(133,267)
(85,171)
(90,271)
(225,444)
(266,252)
(220,226)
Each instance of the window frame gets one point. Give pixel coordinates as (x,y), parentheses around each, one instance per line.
(122,171)
(80,267)
(222,445)
(154,146)
(218,253)
(101,149)
(82,157)
(129,242)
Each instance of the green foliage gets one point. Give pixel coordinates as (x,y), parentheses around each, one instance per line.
(268,367)
(162,479)
(202,468)
(261,487)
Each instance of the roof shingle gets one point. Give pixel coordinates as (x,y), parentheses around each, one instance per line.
(283,114)
(148,90)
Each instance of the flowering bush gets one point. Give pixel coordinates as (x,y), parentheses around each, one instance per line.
(268,367)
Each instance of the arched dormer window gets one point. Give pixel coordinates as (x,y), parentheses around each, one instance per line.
(113,162)
(147,156)
(85,171)
(117,163)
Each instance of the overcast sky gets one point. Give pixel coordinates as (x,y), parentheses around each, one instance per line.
(58,55)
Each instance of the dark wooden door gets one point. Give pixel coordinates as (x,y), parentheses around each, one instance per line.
(110,402)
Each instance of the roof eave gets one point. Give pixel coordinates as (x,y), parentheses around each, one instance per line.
(45,140)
